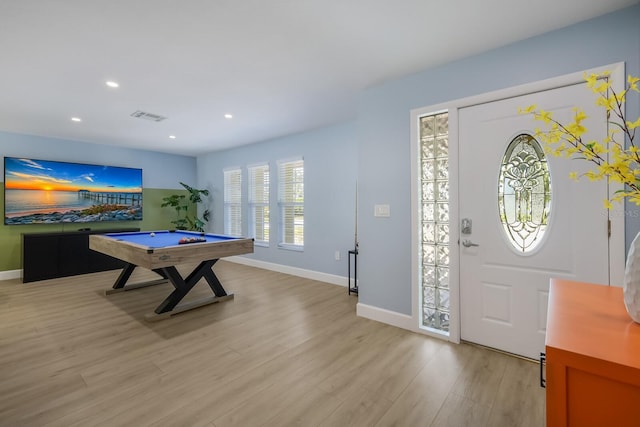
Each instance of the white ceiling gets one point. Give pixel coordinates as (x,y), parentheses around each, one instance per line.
(279,66)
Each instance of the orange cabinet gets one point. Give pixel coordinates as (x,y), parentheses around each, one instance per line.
(592,357)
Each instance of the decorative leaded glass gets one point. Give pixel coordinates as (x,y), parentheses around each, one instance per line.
(434,230)
(524,193)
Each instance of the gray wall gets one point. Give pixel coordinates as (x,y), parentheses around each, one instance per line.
(383,127)
(330,162)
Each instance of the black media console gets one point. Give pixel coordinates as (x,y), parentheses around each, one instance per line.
(60,254)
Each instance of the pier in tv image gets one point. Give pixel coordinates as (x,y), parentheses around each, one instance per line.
(47,192)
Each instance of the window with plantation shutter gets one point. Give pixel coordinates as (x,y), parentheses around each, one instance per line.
(259,204)
(291,203)
(233,202)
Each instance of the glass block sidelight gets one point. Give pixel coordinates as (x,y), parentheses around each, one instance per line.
(434,214)
(524,193)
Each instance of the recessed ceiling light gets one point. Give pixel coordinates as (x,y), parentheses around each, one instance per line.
(76,119)
(172,137)
(111,83)
(228,116)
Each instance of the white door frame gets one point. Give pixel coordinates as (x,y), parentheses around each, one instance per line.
(616,241)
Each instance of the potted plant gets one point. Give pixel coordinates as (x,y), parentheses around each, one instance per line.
(182,204)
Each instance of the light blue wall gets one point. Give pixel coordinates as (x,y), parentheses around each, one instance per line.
(330,162)
(383,128)
(159,170)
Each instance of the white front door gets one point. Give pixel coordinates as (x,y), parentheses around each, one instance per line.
(503,291)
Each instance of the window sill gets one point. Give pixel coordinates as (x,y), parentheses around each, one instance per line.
(295,248)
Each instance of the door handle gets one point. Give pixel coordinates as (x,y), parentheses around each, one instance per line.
(543,364)
(468,243)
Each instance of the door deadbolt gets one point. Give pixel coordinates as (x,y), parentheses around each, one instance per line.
(466,227)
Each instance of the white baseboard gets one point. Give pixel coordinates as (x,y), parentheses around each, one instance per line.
(385,316)
(294,271)
(398,320)
(10,274)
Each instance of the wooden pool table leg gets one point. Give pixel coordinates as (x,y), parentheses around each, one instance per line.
(125,274)
(183,286)
(213,281)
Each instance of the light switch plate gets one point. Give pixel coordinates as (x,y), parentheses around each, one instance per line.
(382,211)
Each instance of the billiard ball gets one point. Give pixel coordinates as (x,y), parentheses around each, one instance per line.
(152,234)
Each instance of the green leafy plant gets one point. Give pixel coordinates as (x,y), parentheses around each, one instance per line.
(182,203)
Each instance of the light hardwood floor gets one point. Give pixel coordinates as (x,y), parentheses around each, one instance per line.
(286,351)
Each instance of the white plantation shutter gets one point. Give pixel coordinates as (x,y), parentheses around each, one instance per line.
(259,203)
(233,202)
(291,202)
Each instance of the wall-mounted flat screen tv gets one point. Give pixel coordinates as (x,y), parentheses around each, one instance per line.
(48,192)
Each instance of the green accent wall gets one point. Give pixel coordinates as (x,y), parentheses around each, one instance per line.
(154,218)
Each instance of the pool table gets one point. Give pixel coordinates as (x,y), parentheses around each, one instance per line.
(161,252)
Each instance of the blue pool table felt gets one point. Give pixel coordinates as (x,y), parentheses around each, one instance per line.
(166,238)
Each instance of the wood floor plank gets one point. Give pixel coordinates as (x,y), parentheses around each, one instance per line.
(284,351)
(309,407)
(399,365)
(359,407)
(519,401)
(480,381)
(420,402)
(458,411)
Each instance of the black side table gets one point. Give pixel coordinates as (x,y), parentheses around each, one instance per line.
(353,289)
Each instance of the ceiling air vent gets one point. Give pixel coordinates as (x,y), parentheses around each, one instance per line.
(148,116)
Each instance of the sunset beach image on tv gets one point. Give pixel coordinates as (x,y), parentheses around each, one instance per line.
(44,191)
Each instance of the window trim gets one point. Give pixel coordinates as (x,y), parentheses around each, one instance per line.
(283,204)
(228,204)
(252,204)
(435,222)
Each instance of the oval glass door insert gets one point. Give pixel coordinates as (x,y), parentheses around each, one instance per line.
(524,193)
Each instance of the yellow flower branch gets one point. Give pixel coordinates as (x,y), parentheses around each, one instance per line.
(610,156)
